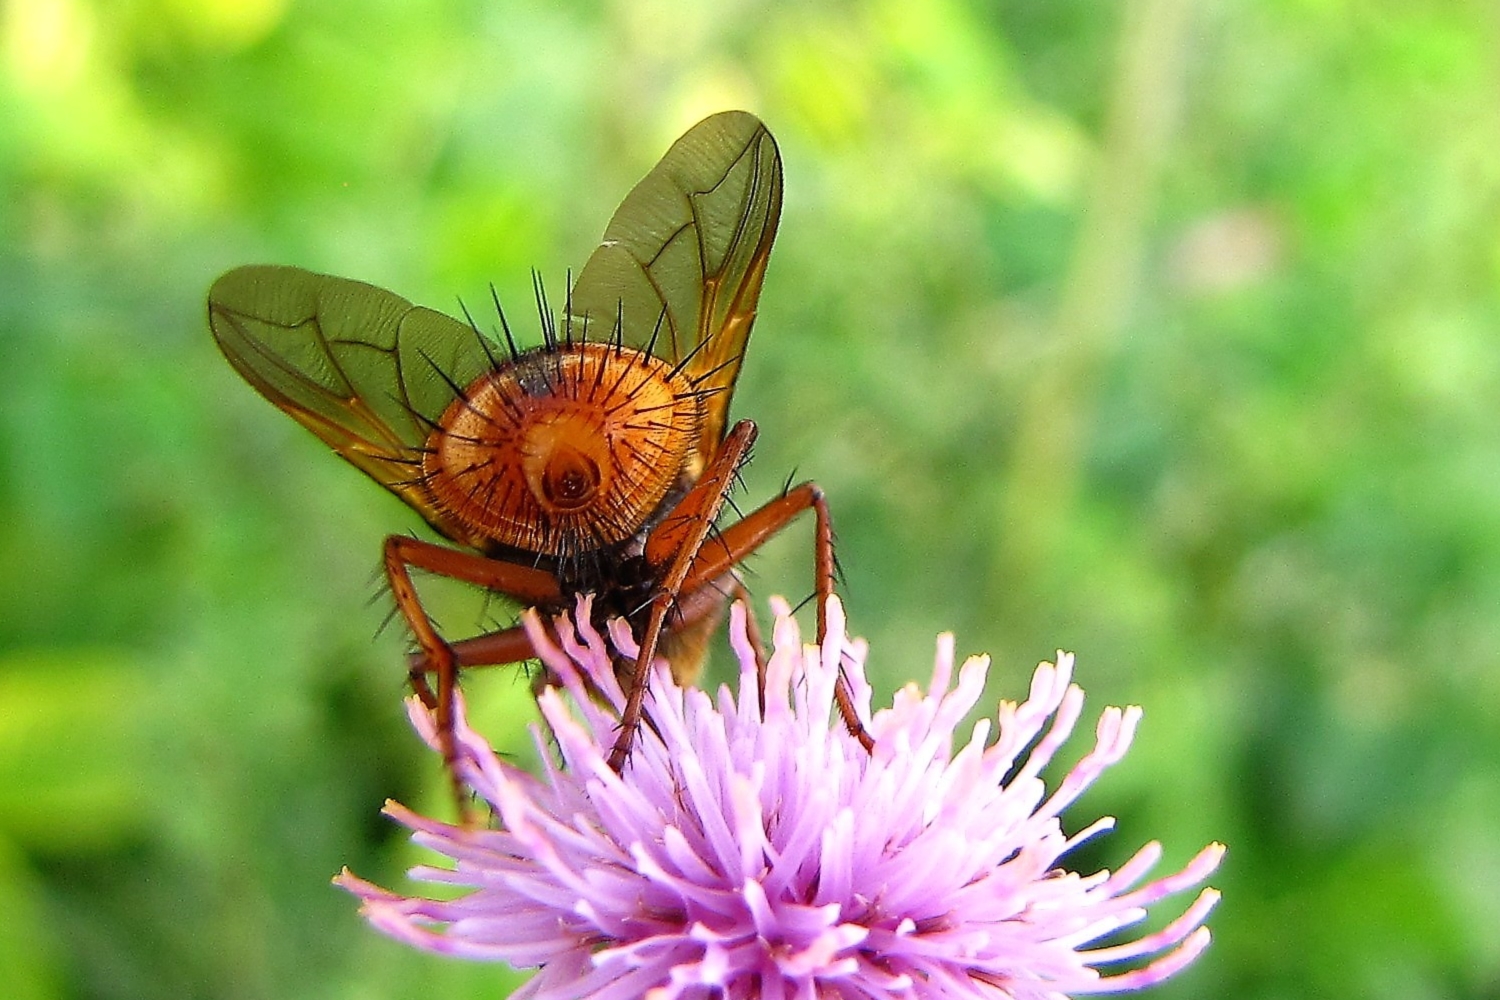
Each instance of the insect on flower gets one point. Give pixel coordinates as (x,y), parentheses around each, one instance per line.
(597,462)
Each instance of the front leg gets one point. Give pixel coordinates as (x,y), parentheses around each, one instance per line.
(676,543)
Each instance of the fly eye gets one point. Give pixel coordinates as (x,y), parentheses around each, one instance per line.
(571,479)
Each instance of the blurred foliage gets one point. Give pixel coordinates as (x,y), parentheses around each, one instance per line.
(1165,332)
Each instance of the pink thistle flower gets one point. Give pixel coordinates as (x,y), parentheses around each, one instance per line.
(746,854)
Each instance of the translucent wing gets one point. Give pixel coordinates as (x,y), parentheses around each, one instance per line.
(687,249)
(363,369)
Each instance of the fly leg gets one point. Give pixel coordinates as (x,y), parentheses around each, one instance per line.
(743,537)
(435,655)
(676,543)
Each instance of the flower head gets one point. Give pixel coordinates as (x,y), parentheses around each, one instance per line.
(748,853)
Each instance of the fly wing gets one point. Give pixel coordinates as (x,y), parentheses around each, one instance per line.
(681,263)
(360,367)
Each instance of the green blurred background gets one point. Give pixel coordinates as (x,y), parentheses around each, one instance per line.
(1160,331)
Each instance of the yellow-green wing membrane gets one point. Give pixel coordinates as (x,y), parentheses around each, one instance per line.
(362,368)
(687,249)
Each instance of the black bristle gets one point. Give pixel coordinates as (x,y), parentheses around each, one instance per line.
(510,341)
(484,342)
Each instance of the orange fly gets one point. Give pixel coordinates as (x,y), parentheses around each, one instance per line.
(597,462)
